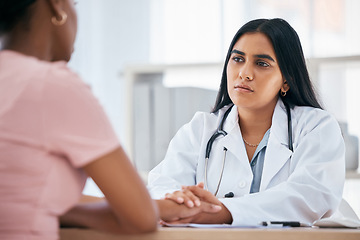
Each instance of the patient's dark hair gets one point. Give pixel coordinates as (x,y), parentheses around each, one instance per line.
(13,11)
(290,57)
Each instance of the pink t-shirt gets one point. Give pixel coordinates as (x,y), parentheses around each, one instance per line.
(50,126)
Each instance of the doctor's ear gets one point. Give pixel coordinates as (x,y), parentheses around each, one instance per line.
(285,87)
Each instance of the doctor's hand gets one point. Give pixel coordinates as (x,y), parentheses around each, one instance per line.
(192,196)
(173,212)
(184,196)
(203,195)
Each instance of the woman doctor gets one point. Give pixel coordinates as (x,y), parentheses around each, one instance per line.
(268,165)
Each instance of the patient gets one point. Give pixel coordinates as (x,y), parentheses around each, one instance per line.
(54,133)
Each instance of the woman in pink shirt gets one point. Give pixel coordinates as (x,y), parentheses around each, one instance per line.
(54,133)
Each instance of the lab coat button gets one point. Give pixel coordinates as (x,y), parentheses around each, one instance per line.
(242,184)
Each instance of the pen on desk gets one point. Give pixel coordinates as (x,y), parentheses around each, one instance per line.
(285,224)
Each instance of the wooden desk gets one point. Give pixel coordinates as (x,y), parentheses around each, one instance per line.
(165,233)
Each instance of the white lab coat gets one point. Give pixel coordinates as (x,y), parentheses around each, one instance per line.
(303,185)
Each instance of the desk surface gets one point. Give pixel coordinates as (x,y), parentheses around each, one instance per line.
(223,234)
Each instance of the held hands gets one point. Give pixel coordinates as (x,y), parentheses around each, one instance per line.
(193,204)
(192,196)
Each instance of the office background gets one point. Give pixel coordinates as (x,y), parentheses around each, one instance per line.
(132,50)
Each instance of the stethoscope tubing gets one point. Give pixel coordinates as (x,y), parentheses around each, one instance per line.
(221,174)
(219,131)
(289,126)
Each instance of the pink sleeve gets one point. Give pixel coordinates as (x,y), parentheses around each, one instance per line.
(75,124)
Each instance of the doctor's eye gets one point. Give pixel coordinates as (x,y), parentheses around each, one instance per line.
(237,59)
(263,64)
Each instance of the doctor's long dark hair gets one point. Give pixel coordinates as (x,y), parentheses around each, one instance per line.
(290,58)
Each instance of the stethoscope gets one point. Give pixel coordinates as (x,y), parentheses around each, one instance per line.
(221,132)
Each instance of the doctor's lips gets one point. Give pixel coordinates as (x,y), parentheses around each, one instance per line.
(243,87)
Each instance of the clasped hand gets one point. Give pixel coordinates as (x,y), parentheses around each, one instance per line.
(193,204)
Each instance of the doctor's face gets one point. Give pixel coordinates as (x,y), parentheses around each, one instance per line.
(254,78)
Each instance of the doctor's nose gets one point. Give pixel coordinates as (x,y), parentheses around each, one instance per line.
(245,73)
(246,77)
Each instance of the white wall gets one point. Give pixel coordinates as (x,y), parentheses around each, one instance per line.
(111,34)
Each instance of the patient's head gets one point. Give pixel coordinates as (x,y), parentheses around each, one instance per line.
(39,26)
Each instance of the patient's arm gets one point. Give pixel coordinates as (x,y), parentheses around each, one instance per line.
(88,199)
(128,207)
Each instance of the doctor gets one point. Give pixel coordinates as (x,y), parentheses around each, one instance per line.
(264,164)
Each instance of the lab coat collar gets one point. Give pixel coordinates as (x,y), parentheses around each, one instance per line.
(280,123)
(277,151)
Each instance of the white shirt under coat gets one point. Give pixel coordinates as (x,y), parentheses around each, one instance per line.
(303,185)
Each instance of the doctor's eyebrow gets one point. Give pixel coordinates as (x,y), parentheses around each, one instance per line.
(265,56)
